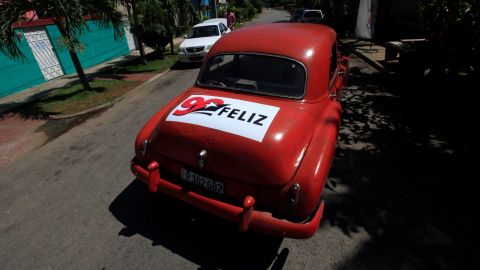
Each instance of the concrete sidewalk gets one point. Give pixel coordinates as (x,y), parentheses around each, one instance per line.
(17,99)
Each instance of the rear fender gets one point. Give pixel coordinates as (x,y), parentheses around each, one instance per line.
(148,128)
(313,171)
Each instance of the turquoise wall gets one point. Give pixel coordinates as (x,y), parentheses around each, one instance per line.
(100,47)
(99,43)
(17,76)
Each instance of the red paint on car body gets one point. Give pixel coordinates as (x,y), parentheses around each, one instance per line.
(281,142)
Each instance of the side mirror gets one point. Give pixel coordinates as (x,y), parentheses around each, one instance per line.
(185,36)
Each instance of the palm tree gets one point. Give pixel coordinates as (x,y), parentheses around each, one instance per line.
(67,15)
(185,9)
(156,32)
(171,9)
(136,29)
(179,9)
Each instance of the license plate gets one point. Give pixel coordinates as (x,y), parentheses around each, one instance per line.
(193,55)
(202,181)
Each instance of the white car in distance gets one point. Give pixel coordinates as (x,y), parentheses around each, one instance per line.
(311,16)
(201,38)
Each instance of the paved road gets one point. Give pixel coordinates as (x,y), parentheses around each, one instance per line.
(73,204)
(271,16)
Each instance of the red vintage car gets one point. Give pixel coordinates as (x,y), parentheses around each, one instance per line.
(253,140)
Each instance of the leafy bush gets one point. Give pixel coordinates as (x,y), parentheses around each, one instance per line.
(155,30)
(251,10)
(222,11)
(258,5)
(454,30)
(245,10)
(240,14)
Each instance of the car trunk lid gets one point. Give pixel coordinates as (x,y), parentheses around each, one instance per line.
(260,143)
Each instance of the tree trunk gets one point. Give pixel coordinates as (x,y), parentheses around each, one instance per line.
(199,3)
(129,13)
(214,10)
(76,62)
(171,22)
(80,72)
(138,35)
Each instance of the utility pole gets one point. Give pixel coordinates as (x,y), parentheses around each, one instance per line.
(214,9)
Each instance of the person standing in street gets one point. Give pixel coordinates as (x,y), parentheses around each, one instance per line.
(230,18)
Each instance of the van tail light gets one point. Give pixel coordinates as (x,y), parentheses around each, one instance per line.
(292,194)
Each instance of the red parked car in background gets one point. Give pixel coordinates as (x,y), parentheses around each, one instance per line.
(253,140)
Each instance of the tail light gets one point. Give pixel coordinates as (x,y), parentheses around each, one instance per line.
(143,148)
(292,194)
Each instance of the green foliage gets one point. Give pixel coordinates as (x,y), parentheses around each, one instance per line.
(312,4)
(251,11)
(153,24)
(341,16)
(63,44)
(244,10)
(186,12)
(454,33)
(221,12)
(258,5)
(240,14)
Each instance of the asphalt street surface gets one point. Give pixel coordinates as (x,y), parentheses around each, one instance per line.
(389,201)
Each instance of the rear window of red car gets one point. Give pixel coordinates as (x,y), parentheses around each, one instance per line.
(258,73)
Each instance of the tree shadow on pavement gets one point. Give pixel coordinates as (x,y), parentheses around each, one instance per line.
(33,110)
(200,237)
(28,111)
(184,66)
(403,173)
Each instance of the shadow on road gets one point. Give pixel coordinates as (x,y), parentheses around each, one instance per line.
(184,66)
(403,173)
(199,237)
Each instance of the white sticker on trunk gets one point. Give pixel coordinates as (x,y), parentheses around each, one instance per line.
(243,118)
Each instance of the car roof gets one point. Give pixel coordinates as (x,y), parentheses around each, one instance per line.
(222,20)
(207,23)
(310,44)
(307,10)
